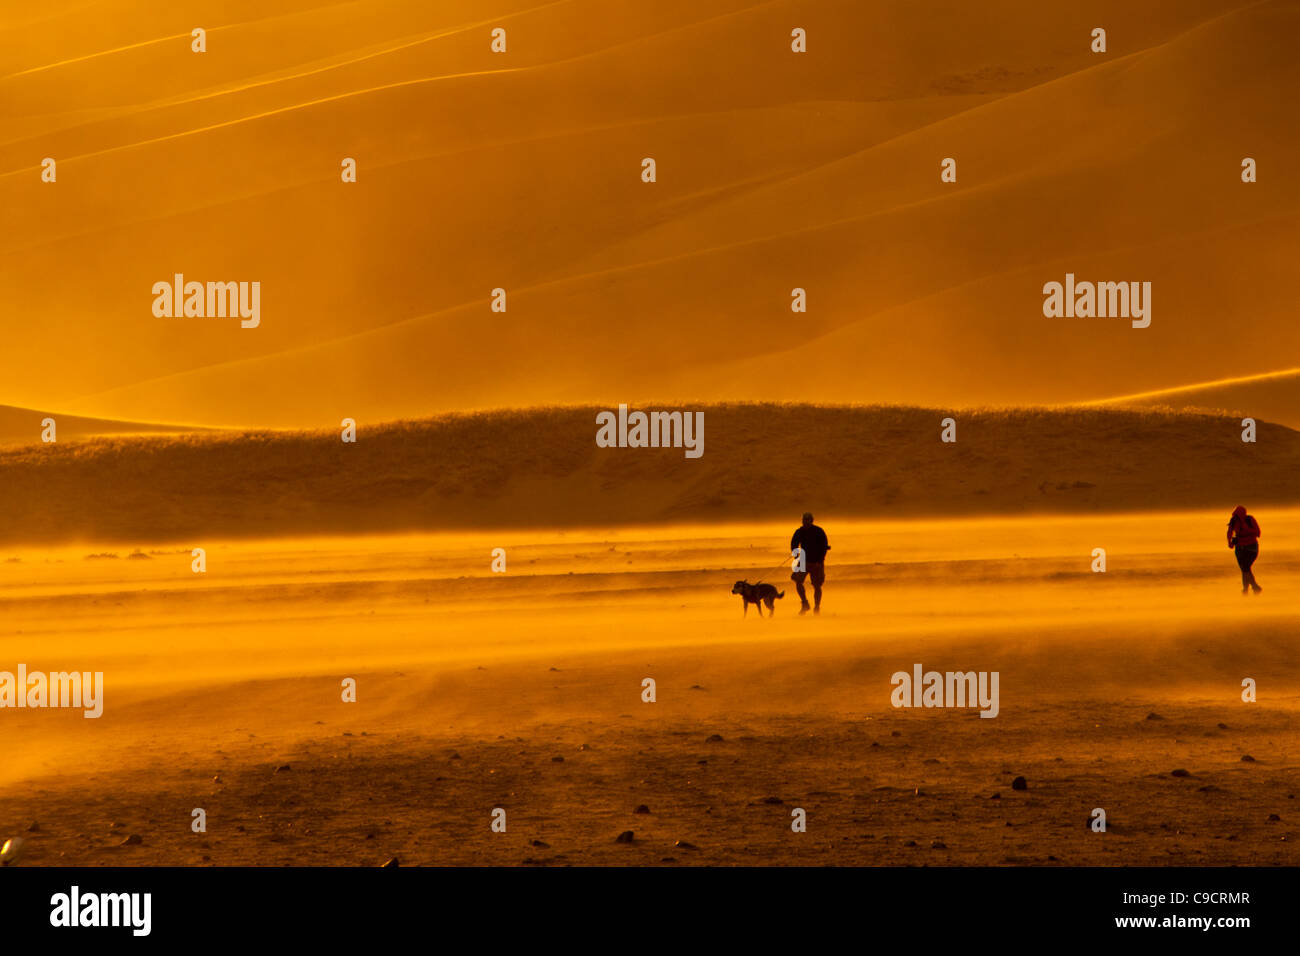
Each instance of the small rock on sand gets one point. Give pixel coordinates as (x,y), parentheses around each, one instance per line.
(283,767)
(1179,773)
(1020,783)
(11,851)
(34,828)
(642,809)
(133,840)
(1154,716)
(1247,758)
(714,739)
(682,844)
(391,862)
(625,837)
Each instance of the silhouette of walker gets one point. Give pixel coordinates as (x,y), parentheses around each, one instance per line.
(1243,538)
(812,540)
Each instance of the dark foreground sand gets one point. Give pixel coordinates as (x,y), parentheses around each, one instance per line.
(888,790)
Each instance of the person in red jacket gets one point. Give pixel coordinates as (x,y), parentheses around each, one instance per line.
(1243,538)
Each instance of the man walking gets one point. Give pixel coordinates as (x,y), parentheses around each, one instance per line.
(812,541)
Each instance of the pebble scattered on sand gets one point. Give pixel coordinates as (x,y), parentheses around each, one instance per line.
(1020,783)
(11,851)
(1180,772)
(283,767)
(133,840)
(625,837)
(642,809)
(714,739)
(1247,758)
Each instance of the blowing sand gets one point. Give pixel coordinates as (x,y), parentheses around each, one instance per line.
(522,690)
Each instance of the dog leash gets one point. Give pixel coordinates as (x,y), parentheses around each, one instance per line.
(773,571)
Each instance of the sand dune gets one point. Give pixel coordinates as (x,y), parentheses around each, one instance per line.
(818,171)
(521,688)
(1275,397)
(542,468)
(23,426)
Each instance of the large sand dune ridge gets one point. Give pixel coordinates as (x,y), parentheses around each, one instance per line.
(542,468)
(521,171)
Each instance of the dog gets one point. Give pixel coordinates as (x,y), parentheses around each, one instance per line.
(757,594)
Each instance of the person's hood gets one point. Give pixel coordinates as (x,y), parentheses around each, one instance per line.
(1239,511)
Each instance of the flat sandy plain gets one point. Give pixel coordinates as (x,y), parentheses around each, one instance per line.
(522,690)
